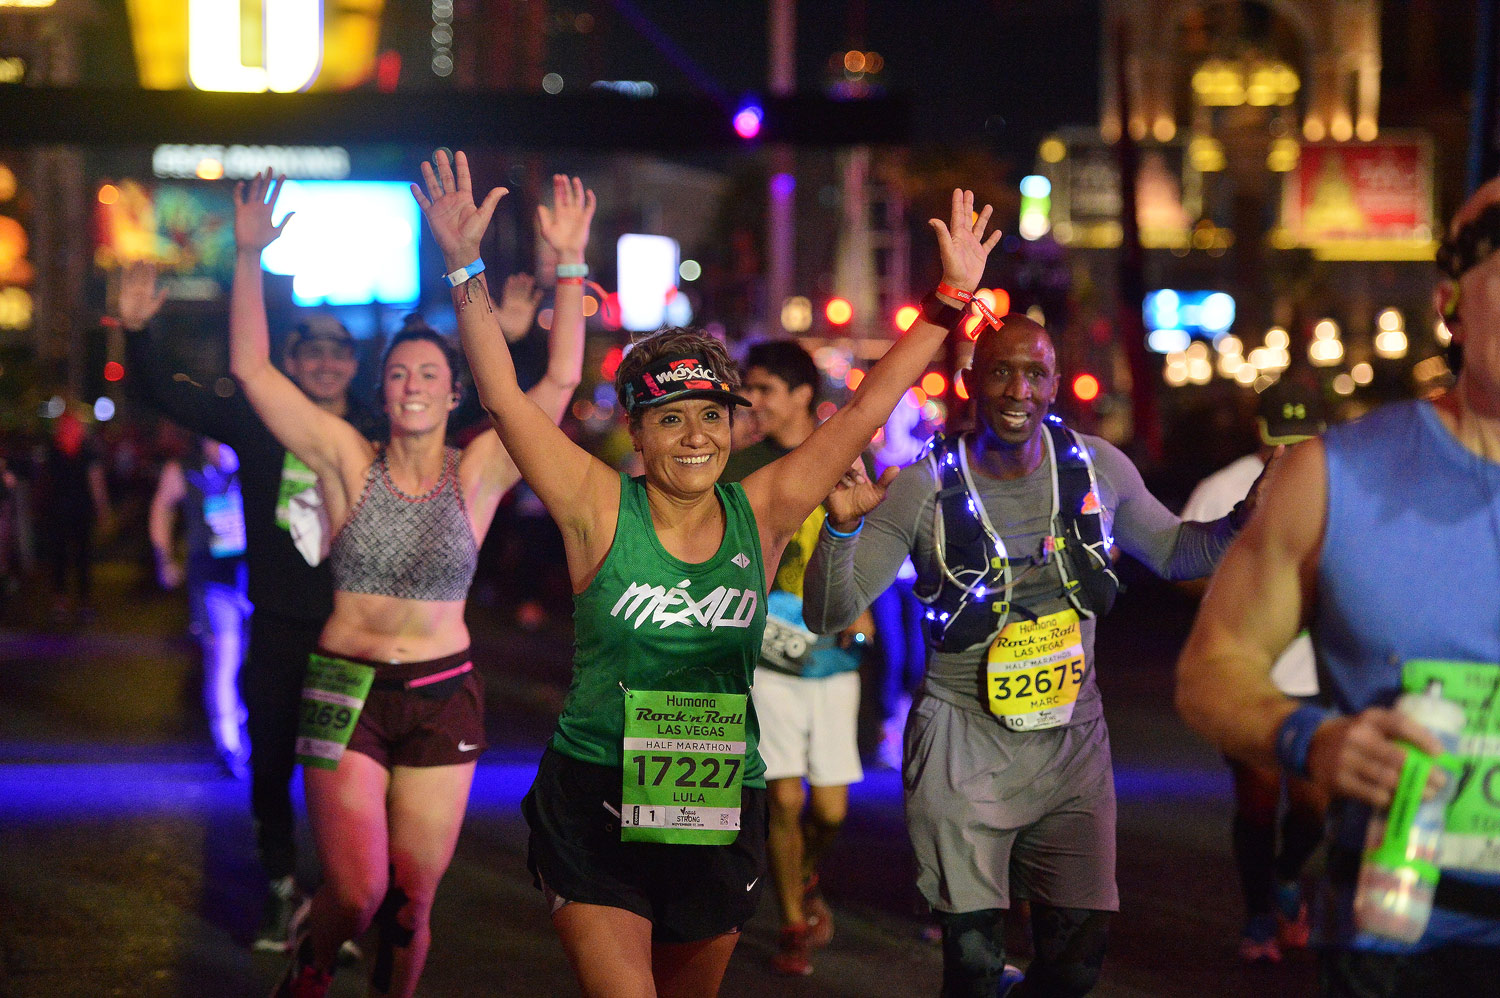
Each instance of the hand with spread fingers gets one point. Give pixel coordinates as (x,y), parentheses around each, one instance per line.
(516,311)
(139,298)
(565,225)
(456,222)
(962,243)
(254,204)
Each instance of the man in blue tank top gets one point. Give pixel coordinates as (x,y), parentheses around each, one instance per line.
(1383,538)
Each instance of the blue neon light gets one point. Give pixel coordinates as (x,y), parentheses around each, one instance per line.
(1197,313)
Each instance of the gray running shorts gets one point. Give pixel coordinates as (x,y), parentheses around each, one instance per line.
(994,813)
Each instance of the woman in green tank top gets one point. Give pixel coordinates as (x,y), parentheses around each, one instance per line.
(669,588)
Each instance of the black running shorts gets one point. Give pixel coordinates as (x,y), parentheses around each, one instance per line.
(687,892)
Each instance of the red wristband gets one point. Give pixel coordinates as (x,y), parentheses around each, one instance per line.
(990,318)
(570,280)
(957,294)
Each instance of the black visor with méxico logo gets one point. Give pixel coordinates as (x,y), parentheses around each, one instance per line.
(678,377)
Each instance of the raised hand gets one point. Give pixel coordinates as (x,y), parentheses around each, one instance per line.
(962,244)
(456,223)
(518,301)
(855,495)
(565,225)
(139,299)
(254,203)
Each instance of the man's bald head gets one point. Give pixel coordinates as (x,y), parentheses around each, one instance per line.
(1013,327)
(1013,381)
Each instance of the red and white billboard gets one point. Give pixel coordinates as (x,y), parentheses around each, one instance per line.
(1361,200)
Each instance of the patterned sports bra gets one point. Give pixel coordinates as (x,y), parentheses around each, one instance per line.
(413,547)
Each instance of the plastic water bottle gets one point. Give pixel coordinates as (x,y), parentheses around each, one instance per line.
(1399,871)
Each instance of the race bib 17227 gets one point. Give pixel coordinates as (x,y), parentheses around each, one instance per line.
(683,763)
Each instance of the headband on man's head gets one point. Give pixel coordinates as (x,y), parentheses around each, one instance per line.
(683,375)
(1471,244)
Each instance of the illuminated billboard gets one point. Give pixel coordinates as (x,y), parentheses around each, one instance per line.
(352,242)
(254,46)
(647,276)
(1360,200)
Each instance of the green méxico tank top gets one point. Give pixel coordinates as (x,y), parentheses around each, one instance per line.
(653,622)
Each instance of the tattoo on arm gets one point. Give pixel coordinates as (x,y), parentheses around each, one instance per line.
(473,289)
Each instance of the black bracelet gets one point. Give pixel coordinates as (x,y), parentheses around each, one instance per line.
(942,314)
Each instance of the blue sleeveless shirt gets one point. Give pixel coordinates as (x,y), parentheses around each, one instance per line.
(1410,569)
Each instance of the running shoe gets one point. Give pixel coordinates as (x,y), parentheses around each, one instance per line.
(818,915)
(1293,927)
(793,952)
(283,904)
(1258,944)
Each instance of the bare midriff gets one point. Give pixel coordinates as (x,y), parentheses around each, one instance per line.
(393,629)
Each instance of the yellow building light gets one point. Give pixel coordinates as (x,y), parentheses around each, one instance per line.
(1283,155)
(1052,150)
(254,46)
(1206,154)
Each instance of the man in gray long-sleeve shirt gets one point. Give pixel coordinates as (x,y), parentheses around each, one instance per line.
(1008,793)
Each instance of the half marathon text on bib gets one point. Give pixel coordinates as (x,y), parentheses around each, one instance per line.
(684,763)
(1034,671)
(332,697)
(1471,835)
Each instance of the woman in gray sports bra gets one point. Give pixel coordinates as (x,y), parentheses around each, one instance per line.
(392,716)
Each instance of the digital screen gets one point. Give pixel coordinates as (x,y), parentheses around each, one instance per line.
(647,276)
(352,242)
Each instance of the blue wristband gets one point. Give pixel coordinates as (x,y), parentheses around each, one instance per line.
(1294,736)
(572,270)
(464,273)
(828,526)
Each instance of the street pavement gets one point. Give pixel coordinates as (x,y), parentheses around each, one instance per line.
(127,866)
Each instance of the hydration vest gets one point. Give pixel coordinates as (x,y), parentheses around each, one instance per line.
(972,600)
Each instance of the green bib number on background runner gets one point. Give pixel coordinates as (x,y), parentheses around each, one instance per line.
(1471,835)
(684,763)
(332,696)
(296,478)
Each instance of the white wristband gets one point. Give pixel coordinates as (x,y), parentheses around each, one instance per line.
(464,273)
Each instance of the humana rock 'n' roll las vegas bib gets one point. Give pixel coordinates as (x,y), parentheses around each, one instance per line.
(684,756)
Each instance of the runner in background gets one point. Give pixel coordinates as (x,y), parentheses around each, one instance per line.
(289,583)
(806,687)
(204,488)
(1270,866)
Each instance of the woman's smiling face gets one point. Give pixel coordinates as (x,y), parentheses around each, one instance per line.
(684,444)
